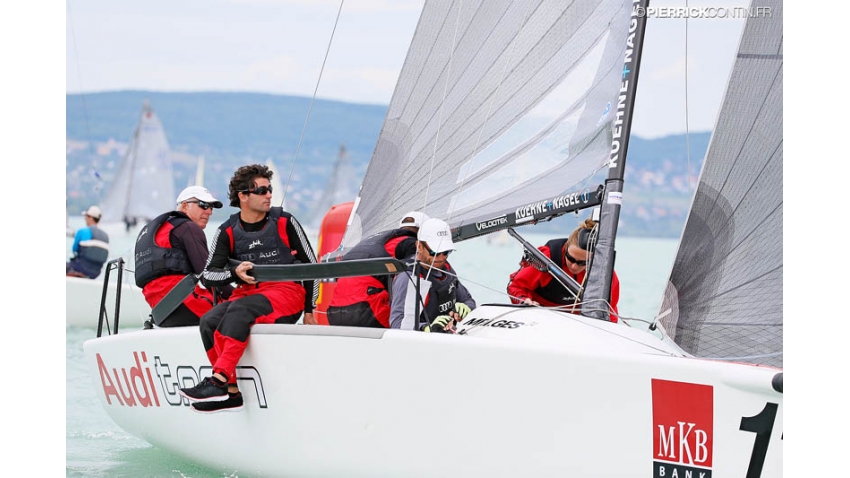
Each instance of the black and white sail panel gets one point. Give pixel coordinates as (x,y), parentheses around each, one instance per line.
(724,296)
(499,104)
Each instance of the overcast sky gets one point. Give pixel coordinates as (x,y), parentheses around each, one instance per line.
(278,46)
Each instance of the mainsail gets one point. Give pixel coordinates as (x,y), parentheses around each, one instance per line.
(199,173)
(724,296)
(500,106)
(143,187)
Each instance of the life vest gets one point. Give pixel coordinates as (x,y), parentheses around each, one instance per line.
(153,261)
(270,245)
(94,252)
(374,246)
(554,291)
(371,289)
(442,294)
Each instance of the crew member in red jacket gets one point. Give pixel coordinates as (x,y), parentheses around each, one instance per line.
(365,301)
(532,287)
(258,234)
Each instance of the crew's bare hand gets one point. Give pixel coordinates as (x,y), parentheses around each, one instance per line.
(242,272)
(309,319)
(528,301)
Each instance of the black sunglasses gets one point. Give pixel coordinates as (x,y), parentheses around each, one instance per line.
(260,191)
(573,259)
(434,253)
(201,204)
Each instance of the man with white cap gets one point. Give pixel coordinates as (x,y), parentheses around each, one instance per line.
(91,247)
(365,301)
(173,245)
(443,300)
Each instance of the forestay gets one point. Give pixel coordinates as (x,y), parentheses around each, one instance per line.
(143,187)
(501,107)
(724,296)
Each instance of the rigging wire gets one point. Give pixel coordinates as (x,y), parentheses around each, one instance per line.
(312,100)
(654,323)
(99,186)
(687,114)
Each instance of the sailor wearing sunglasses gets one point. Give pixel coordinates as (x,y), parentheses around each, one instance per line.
(443,300)
(258,233)
(531,286)
(172,245)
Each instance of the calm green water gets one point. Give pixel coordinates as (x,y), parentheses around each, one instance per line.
(95,446)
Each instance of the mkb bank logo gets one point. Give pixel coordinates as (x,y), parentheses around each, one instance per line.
(682,420)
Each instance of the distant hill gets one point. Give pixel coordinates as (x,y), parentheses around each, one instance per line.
(231,129)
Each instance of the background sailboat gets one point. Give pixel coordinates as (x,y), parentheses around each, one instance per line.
(199,173)
(143,186)
(277,185)
(69,230)
(336,189)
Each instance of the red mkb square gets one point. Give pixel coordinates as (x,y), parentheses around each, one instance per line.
(683,422)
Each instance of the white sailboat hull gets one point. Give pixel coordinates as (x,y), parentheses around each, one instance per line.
(525,393)
(82,303)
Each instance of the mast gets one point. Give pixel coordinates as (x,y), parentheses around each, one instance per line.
(598,290)
(133,154)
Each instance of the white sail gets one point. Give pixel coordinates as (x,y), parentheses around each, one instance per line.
(199,173)
(724,297)
(143,186)
(501,115)
(277,185)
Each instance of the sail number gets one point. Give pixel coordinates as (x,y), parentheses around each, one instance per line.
(762,426)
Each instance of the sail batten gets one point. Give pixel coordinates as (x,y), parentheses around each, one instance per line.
(725,289)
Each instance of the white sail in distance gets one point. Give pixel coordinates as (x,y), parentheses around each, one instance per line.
(143,187)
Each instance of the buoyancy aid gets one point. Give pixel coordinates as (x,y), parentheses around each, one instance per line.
(270,245)
(374,246)
(553,291)
(152,260)
(442,294)
(95,251)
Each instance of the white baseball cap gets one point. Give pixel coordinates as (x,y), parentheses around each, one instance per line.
(413,219)
(92,211)
(437,234)
(200,193)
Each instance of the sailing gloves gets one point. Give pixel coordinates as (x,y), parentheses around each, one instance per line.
(443,323)
(462,310)
(439,325)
